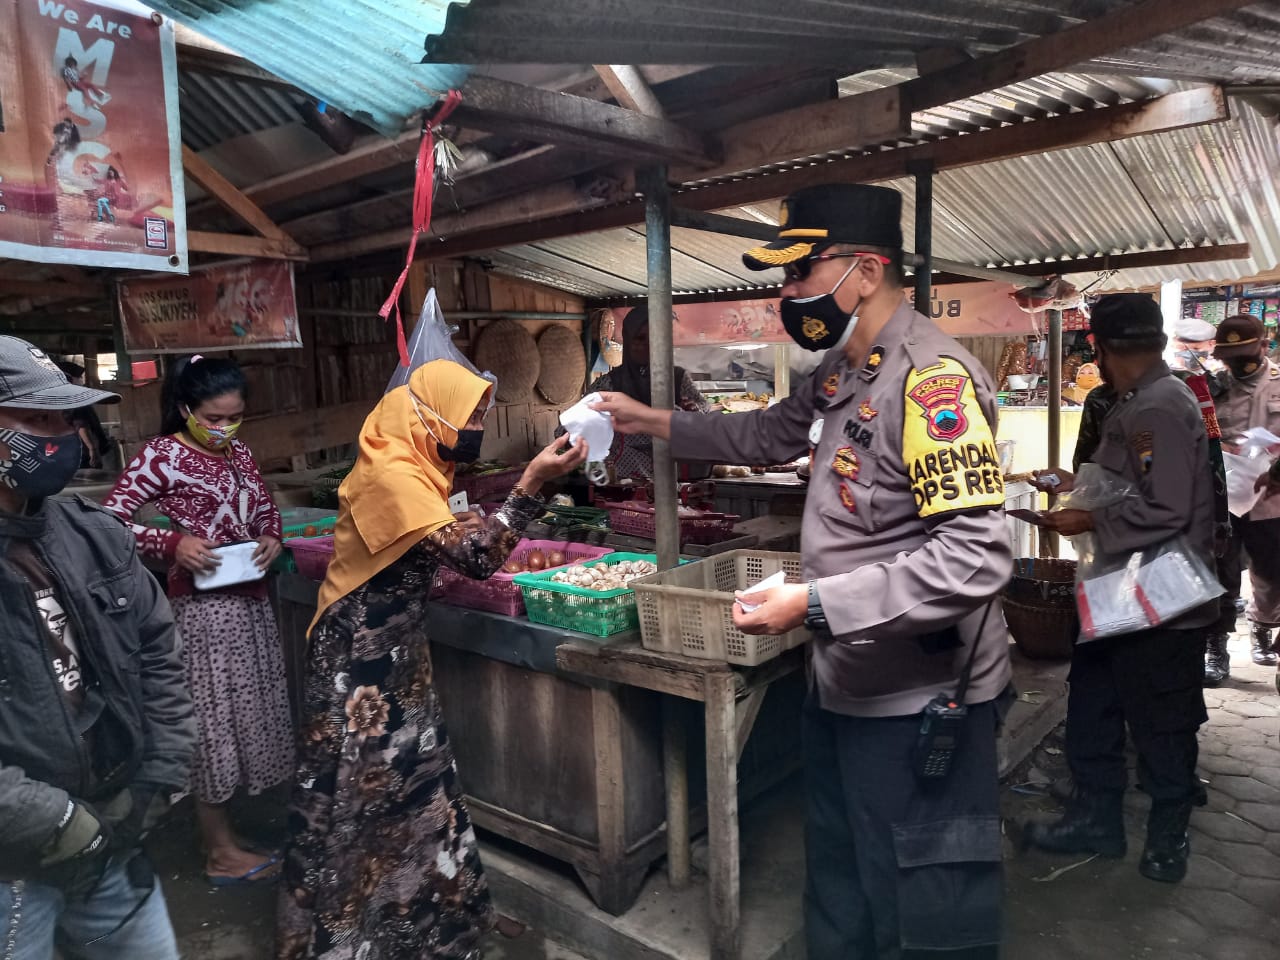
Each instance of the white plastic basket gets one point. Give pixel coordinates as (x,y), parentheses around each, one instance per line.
(689,610)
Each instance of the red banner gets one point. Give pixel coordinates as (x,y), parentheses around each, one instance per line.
(246,306)
(730,321)
(90,150)
(984,309)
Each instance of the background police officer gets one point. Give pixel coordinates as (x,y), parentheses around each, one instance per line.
(1154,437)
(1252,399)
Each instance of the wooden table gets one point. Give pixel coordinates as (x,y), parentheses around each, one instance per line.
(731,698)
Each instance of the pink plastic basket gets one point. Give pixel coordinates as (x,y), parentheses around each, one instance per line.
(312,556)
(494,486)
(499,594)
(637,520)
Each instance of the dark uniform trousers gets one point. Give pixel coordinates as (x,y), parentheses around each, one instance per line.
(1153,681)
(898,868)
(1258,543)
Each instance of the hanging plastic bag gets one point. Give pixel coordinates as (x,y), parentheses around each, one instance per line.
(433,340)
(1253,453)
(1123,593)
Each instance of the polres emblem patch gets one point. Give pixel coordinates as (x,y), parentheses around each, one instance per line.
(814,329)
(938,398)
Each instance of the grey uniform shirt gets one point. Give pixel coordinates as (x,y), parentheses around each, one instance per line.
(1155,438)
(1253,402)
(903,529)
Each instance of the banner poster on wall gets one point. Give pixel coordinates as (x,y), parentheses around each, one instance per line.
(90,148)
(721,322)
(243,306)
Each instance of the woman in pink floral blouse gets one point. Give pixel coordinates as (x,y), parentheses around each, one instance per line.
(207,483)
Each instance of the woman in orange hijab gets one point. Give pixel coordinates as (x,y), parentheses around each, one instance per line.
(381,860)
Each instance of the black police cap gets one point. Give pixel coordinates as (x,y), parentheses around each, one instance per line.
(1126,316)
(855,213)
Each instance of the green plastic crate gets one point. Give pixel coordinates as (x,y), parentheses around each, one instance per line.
(601,613)
(296,520)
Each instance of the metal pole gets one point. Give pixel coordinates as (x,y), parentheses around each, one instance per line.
(924,233)
(1055,403)
(657,211)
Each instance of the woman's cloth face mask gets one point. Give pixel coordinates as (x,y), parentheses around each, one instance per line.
(467,447)
(215,438)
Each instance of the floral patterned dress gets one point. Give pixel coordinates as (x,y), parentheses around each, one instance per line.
(381,861)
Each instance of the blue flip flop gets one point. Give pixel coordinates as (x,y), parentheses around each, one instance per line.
(246,879)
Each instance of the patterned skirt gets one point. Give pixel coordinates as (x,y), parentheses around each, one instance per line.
(235,670)
(381,861)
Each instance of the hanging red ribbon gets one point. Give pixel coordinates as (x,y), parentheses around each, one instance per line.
(423,190)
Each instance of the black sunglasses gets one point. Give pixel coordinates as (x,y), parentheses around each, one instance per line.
(800,269)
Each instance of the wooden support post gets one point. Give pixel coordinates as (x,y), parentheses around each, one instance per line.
(748,710)
(675,773)
(661,363)
(722,815)
(782,371)
(1055,403)
(923,172)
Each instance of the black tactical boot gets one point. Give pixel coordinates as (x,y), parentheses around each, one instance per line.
(1164,857)
(1093,823)
(1264,654)
(1217,661)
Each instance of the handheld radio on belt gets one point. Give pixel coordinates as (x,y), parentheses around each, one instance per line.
(942,722)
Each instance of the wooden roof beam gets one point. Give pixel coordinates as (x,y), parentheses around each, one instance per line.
(240,245)
(501,178)
(516,220)
(520,111)
(629,88)
(250,214)
(884,116)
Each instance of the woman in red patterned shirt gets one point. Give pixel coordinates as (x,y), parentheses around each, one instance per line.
(207,483)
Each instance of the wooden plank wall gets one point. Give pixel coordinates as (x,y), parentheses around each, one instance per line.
(987,350)
(348,356)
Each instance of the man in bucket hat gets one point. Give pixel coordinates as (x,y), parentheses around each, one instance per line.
(905,553)
(95,719)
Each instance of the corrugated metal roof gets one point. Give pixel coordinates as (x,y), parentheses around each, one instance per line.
(1210,184)
(858,34)
(362,56)
(214,108)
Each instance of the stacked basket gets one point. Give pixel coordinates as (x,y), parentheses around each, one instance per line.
(1040,607)
(689,610)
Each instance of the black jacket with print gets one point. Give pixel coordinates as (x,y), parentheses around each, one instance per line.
(129,647)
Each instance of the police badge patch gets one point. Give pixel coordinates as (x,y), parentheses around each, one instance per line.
(846,463)
(938,398)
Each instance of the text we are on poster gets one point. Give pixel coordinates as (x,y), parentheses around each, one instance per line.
(90,148)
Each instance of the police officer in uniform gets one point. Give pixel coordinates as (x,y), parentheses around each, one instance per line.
(1155,438)
(1252,399)
(905,552)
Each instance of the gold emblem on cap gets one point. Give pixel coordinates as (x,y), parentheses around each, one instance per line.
(1233,337)
(813,328)
(784,214)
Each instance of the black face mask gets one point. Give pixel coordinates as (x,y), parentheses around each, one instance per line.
(466,450)
(818,323)
(37,467)
(1243,367)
